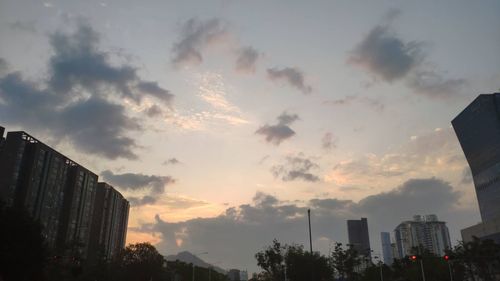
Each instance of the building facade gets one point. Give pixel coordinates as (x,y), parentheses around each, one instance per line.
(33,176)
(385,238)
(57,192)
(425,232)
(478,130)
(359,237)
(109,225)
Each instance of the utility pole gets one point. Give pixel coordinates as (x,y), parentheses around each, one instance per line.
(310,237)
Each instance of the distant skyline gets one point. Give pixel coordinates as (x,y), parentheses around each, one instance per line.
(222,122)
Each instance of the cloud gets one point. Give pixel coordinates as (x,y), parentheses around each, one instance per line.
(171,161)
(385,55)
(374,103)
(467,176)
(292,76)
(435,153)
(4,66)
(277,133)
(246,59)
(434,85)
(133,182)
(153,111)
(195,36)
(140,201)
(328,141)
(296,168)
(152,88)
(239,232)
(25,26)
(79,101)
(78,64)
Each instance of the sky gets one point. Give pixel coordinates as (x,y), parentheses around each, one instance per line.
(222,122)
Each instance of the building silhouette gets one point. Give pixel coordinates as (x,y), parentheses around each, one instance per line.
(109,224)
(387,250)
(478,130)
(359,237)
(425,232)
(60,194)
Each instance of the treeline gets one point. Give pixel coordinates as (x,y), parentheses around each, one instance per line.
(24,256)
(476,260)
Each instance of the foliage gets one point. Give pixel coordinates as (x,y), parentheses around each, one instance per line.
(139,262)
(345,261)
(277,260)
(22,246)
(477,258)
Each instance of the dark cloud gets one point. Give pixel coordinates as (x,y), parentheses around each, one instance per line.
(292,76)
(385,55)
(78,102)
(246,59)
(152,88)
(434,85)
(195,36)
(131,181)
(171,161)
(277,133)
(296,168)
(154,111)
(78,64)
(267,218)
(328,141)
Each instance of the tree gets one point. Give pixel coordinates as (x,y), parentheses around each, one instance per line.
(345,261)
(477,258)
(22,246)
(277,260)
(138,262)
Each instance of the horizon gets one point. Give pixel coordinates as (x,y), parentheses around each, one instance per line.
(222,122)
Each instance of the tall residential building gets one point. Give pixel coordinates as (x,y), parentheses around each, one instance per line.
(78,207)
(57,192)
(423,231)
(109,225)
(357,231)
(33,176)
(478,130)
(385,238)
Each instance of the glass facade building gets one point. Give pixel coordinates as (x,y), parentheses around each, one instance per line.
(478,130)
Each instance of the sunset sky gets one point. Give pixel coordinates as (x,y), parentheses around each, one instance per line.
(223,121)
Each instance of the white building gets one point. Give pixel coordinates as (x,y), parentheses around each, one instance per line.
(425,231)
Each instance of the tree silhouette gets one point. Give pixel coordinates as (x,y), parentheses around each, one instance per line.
(277,260)
(139,262)
(22,246)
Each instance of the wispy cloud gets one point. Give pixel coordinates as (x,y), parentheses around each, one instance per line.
(195,36)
